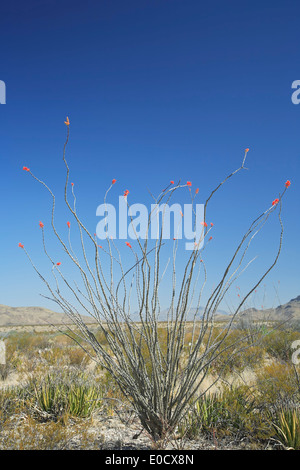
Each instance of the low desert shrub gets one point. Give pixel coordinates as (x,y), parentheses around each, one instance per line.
(27,342)
(277,385)
(76,356)
(277,343)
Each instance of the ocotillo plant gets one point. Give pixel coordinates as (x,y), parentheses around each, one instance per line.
(158,379)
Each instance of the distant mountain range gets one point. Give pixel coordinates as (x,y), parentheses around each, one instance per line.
(19,316)
(290,310)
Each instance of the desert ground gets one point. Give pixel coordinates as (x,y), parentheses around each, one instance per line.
(53,395)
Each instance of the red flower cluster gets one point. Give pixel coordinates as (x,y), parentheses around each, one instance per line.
(113,181)
(68,224)
(172,182)
(25,168)
(126,193)
(58,264)
(275,202)
(287,184)
(188,183)
(20,245)
(128,244)
(41,224)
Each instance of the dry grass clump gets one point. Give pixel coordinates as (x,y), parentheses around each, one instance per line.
(25,433)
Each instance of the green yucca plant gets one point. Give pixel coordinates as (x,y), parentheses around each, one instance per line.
(51,397)
(288,428)
(59,397)
(208,409)
(204,417)
(229,412)
(82,400)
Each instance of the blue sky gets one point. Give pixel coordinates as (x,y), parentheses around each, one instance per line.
(155,90)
